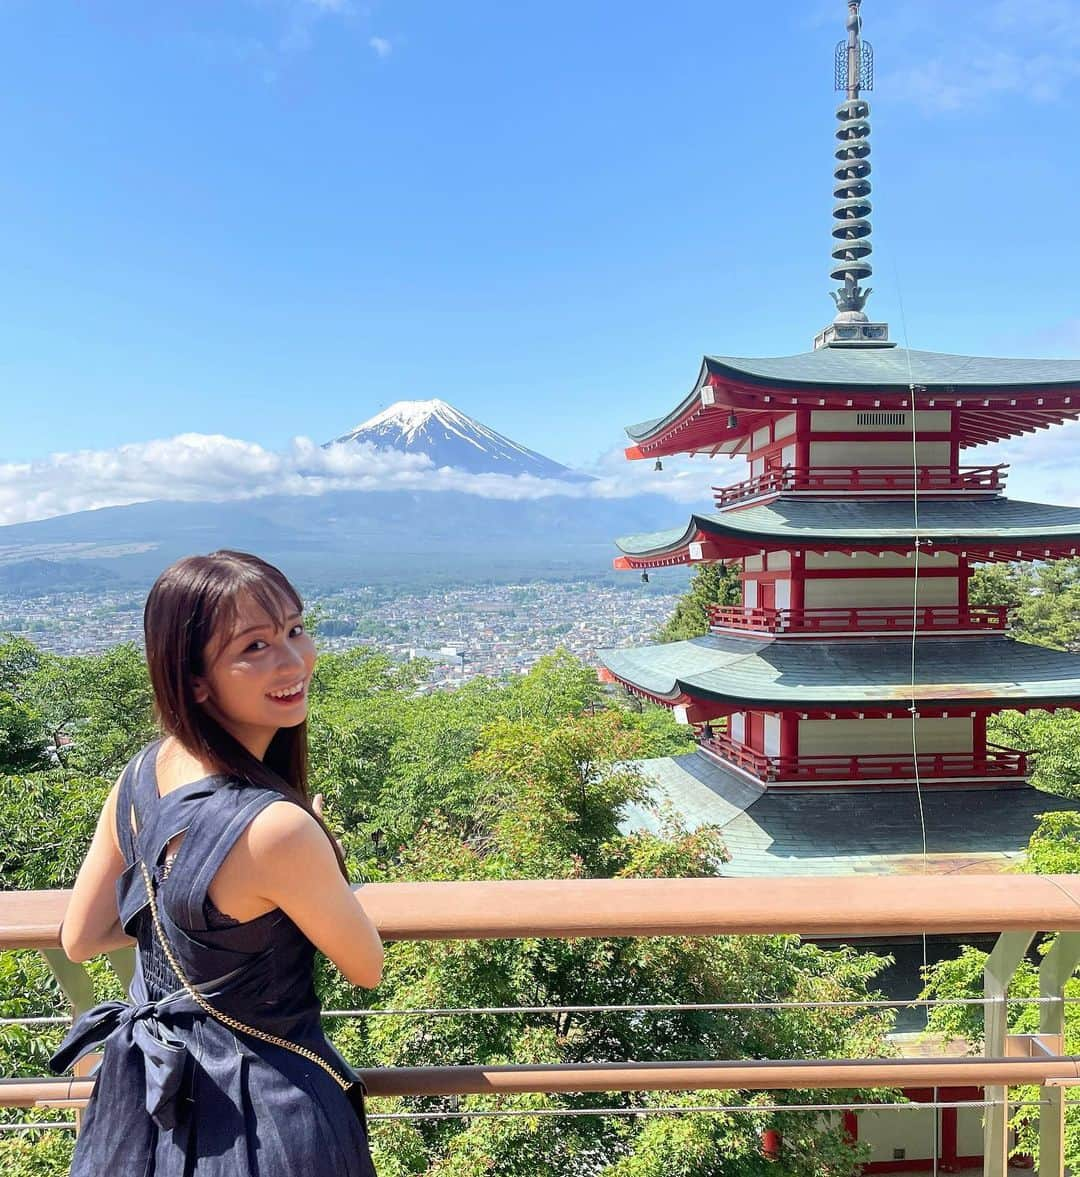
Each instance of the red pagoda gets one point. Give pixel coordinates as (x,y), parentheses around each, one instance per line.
(855,675)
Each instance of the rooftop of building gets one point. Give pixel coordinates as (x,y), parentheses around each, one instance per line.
(868,524)
(887,372)
(757,672)
(771,833)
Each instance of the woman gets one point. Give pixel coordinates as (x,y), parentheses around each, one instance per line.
(213,819)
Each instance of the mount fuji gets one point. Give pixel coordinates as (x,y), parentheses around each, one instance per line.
(450,438)
(402,536)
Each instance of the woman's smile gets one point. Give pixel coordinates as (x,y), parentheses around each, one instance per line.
(290,695)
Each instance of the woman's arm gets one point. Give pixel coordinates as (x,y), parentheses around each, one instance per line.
(296,870)
(91,924)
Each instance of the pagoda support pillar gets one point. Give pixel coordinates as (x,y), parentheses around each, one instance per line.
(954,443)
(789,735)
(978,735)
(798,582)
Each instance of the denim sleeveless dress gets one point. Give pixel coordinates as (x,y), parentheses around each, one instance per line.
(177,1093)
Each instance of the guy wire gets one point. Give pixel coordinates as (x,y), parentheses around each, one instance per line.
(917,545)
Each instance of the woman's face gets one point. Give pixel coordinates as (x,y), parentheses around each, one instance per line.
(257,675)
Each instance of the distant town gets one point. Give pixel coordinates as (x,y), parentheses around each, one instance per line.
(480,630)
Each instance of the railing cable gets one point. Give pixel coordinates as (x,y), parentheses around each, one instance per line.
(720,1109)
(917,545)
(668,1110)
(655,1007)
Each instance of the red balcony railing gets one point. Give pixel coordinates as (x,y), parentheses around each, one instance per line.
(997,763)
(867,479)
(861,619)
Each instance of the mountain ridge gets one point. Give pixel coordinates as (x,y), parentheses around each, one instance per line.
(355,536)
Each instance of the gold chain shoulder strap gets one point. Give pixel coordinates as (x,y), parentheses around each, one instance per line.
(225,1019)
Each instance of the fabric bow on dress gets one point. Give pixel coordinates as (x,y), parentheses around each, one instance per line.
(128,1030)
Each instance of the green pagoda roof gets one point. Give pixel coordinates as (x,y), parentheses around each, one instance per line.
(775,832)
(870,523)
(881,370)
(849,672)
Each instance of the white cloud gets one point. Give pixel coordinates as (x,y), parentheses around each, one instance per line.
(195,467)
(200,467)
(1042,468)
(939,84)
(1023,49)
(381,45)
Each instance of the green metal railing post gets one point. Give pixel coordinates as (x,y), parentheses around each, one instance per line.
(1057,968)
(1001,965)
(74,981)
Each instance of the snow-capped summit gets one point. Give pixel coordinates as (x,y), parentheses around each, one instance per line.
(450,438)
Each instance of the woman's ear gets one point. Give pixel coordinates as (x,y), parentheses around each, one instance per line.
(200,690)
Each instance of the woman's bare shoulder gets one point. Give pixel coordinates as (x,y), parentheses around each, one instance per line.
(283,827)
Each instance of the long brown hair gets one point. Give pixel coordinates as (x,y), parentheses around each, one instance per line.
(193,603)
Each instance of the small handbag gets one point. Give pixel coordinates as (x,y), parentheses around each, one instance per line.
(354,1089)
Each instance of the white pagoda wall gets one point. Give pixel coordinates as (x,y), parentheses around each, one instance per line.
(851,591)
(785,426)
(847,421)
(913,1131)
(824,560)
(777,561)
(772,735)
(783,594)
(897,590)
(969,1132)
(891,428)
(860,737)
(877,453)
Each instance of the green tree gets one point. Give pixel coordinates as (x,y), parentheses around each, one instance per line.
(101,703)
(1044,604)
(22,743)
(711,584)
(1044,600)
(1054,848)
(530,778)
(1053,744)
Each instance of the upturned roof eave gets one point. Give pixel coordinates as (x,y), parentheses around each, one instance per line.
(646,429)
(723,528)
(1003,662)
(901,382)
(741,372)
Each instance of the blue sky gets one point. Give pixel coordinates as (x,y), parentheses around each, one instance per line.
(269,218)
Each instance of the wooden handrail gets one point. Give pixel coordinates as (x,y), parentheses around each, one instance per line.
(737,1075)
(813,906)
(1015,906)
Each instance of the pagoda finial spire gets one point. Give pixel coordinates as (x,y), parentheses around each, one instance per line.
(851,231)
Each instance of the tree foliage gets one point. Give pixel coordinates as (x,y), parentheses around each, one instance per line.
(1054,848)
(526,778)
(711,584)
(1044,604)
(1044,600)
